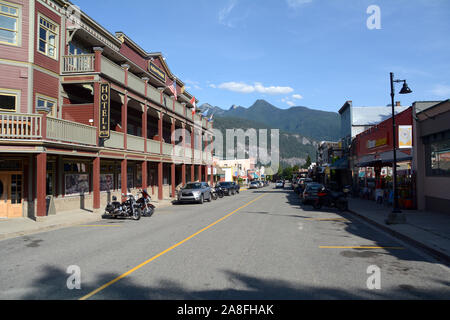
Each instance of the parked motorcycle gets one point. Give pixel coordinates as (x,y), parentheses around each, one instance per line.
(219,191)
(145,205)
(214,195)
(331,199)
(127,209)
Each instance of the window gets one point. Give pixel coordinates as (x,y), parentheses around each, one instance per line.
(437,149)
(8,101)
(46,104)
(9,24)
(48,38)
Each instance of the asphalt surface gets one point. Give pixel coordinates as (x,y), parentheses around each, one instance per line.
(260,244)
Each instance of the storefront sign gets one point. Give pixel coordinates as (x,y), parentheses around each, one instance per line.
(404,137)
(105,91)
(156,71)
(376,143)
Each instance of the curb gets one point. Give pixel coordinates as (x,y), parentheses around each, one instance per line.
(16,234)
(442,257)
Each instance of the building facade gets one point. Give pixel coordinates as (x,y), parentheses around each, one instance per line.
(86,114)
(432,155)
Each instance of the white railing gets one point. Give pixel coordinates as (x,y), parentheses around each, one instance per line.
(136,84)
(197,154)
(20,126)
(71,132)
(135,143)
(115,140)
(78,63)
(153,146)
(112,70)
(167,149)
(179,151)
(179,108)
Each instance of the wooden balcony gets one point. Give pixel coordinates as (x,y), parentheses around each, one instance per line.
(78,63)
(20,126)
(70,132)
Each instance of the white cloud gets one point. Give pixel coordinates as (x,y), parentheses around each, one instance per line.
(297,3)
(225,12)
(290,103)
(441,90)
(258,87)
(297,97)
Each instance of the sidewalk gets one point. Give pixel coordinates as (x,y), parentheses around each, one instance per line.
(11,228)
(427,230)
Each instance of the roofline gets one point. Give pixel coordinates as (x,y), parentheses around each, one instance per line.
(347,104)
(433,106)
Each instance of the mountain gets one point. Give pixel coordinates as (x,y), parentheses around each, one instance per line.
(294,148)
(315,124)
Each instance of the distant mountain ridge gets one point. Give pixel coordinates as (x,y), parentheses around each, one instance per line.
(315,124)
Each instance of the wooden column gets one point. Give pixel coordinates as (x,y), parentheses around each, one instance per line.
(172,169)
(124,177)
(96,183)
(160,181)
(41,184)
(144,175)
(125,120)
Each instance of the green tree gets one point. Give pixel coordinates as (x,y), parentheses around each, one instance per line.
(308,162)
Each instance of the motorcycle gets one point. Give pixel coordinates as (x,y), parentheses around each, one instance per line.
(127,209)
(331,199)
(219,191)
(145,205)
(214,195)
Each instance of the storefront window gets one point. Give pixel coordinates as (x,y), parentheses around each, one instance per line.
(440,158)
(438,154)
(76,178)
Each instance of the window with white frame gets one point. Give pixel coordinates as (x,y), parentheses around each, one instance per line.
(9,100)
(48,37)
(47,105)
(9,24)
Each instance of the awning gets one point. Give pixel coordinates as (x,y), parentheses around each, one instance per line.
(340,164)
(382,159)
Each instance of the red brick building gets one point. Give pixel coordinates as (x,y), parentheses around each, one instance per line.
(54,59)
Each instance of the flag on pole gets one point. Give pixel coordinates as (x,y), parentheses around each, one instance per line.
(173,88)
(194,104)
(210,119)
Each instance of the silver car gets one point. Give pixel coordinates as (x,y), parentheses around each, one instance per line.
(195,192)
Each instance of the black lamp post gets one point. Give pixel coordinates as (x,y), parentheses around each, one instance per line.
(396,216)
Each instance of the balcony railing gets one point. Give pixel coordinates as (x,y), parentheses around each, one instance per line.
(20,126)
(70,132)
(115,140)
(135,143)
(78,63)
(167,149)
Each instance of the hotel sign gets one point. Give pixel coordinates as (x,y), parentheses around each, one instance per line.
(156,71)
(105,94)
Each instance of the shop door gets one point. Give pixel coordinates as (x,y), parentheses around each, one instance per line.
(10,195)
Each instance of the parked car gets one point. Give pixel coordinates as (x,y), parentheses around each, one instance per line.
(279,184)
(310,192)
(237,187)
(195,192)
(253,185)
(301,185)
(228,188)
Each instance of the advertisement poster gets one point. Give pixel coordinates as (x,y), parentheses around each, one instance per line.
(405,137)
(77,183)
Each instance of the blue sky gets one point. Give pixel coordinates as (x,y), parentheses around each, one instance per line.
(314,53)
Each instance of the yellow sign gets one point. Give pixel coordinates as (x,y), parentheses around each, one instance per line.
(104,110)
(157,72)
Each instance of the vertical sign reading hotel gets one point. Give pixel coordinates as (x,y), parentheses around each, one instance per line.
(104,110)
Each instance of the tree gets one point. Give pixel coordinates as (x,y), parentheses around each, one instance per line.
(287,173)
(308,162)
(295,168)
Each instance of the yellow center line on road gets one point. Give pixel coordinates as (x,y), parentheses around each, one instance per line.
(164,252)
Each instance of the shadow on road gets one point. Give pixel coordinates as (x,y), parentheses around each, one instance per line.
(52,285)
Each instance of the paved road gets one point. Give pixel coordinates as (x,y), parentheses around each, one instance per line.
(260,244)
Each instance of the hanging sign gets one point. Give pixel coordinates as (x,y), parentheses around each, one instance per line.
(404,137)
(104,128)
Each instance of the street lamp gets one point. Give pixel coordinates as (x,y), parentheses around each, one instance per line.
(396,216)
